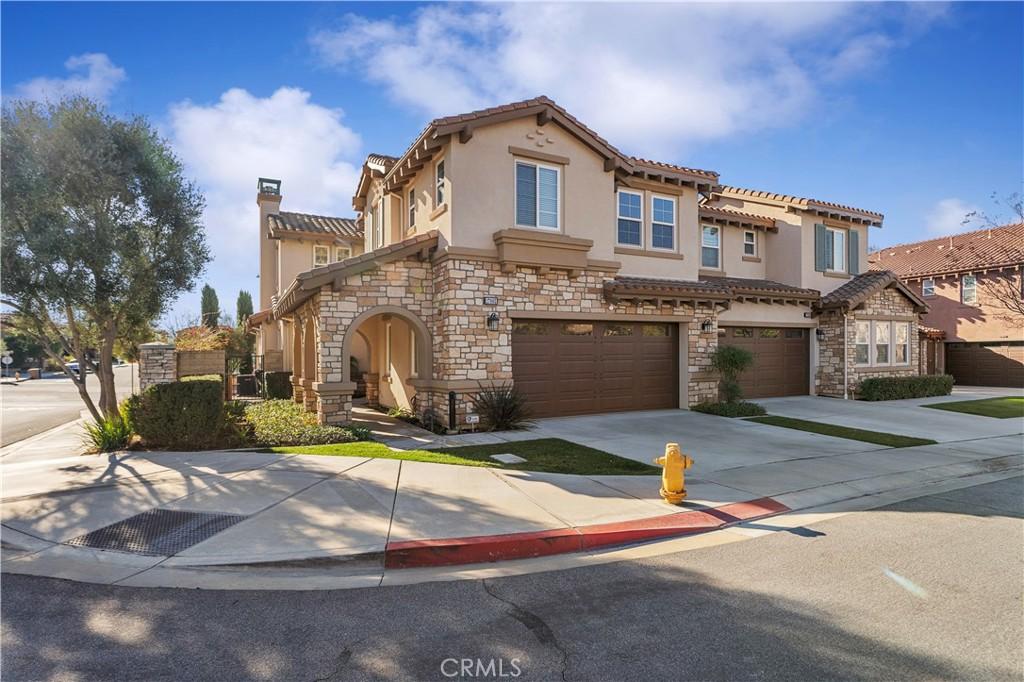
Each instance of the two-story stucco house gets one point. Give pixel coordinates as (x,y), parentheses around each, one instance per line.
(515,244)
(970,282)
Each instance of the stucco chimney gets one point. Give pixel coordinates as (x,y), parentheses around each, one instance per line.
(268,198)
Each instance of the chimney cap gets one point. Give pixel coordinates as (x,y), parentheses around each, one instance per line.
(269,186)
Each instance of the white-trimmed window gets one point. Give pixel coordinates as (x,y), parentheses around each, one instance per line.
(835,249)
(412,209)
(901,347)
(370,228)
(537,195)
(414,365)
(749,243)
(387,348)
(711,247)
(928,287)
(341,253)
(862,345)
(663,223)
(629,231)
(321,255)
(969,289)
(378,212)
(439,183)
(882,343)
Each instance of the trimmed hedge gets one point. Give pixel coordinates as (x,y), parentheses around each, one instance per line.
(736,409)
(900,388)
(282,422)
(182,415)
(277,385)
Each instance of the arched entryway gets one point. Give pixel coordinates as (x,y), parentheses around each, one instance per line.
(399,351)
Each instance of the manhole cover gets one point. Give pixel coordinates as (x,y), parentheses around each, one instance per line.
(157,532)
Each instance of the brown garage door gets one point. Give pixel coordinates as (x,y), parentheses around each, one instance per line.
(569,367)
(781,359)
(986,364)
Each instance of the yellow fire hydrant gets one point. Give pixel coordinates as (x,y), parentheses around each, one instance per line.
(673,463)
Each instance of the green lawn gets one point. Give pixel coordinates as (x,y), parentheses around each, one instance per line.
(1000,408)
(891,439)
(551,455)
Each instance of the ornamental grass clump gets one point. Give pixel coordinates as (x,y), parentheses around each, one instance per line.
(502,407)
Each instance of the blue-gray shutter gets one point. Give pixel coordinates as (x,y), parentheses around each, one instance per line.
(820,248)
(853,253)
(526,195)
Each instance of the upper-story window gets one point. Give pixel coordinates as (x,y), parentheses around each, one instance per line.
(749,243)
(536,195)
(969,289)
(835,250)
(439,183)
(928,287)
(321,255)
(663,223)
(379,225)
(342,252)
(630,213)
(711,247)
(412,209)
(369,226)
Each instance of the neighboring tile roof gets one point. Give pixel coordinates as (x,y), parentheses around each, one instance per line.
(731,215)
(741,286)
(863,286)
(711,175)
(998,246)
(802,202)
(348,228)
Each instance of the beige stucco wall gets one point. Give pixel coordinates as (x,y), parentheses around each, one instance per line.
(733,260)
(393,208)
(763,314)
(984,321)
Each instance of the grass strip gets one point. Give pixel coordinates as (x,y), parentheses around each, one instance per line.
(892,440)
(998,408)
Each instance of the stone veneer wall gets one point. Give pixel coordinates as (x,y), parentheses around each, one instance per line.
(447,297)
(886,304)
(157,364)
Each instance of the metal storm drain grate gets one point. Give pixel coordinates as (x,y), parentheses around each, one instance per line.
(157,532)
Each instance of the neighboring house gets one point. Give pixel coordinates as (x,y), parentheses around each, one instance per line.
(514,244)
(977,338)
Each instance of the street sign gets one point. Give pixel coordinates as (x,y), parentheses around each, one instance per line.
(7,359)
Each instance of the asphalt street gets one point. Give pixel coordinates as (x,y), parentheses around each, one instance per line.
(926,589)
(31,407)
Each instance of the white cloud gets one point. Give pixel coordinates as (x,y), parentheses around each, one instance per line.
(653,78)
(91,74)
(227,145)
(950,216)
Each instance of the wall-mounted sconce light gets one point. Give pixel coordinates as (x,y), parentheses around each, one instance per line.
(492,322)
(707,325)
(819,333)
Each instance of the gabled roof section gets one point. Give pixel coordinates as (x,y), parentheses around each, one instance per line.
(285,222)
(744,289)
(721,215)
(826,209)
(864,286)
(308,283)
(997,247)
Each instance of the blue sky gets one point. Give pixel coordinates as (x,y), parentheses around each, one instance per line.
(914,109)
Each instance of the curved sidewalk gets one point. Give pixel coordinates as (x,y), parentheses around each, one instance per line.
(246,519)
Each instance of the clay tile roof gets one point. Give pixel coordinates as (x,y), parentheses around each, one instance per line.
(664,287)
(741,286)
(258,318)
(731,215)
(995,247)
(931,332)
(863,286)
(347,228)
(801,202)
(710,175)
(382,160)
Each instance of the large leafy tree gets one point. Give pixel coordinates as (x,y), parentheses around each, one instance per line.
(101,232)
(209,307)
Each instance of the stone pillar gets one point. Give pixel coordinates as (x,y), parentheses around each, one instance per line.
(333,402)
(157,364)
(309,396)
(372,389)
(297,390)
(702,380)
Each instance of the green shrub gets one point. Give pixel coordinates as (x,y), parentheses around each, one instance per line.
(282,422)
(730,362)
(900,388)
(501,407)
(181,415)
(202,377)
(740,408)
(277,385)
(108,434)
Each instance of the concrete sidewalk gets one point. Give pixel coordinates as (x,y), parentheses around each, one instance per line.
(294,515)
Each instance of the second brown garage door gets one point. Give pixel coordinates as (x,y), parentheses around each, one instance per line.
(568,367)
(781,359)
(986,364)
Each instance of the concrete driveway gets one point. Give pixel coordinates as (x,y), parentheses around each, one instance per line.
(904,417)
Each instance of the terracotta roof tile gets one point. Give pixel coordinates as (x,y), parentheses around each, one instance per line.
(980,249)
(732,215)
(348,228)
(802,202)
(741,286)
(711,175)
(863,286)
(382,160)
(657,286)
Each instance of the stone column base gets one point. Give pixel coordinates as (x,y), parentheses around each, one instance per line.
(333,402)
(297,390)
(309,396)
(372,390)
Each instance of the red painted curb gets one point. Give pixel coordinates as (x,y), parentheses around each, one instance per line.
(491,548)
